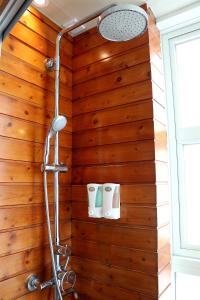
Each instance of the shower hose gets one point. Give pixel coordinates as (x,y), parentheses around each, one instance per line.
(50,236)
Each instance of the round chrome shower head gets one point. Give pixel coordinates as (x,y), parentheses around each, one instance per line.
(58,124)
(122,22)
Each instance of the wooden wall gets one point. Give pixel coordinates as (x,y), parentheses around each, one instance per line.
(119,135)
(26,108)
(161,155)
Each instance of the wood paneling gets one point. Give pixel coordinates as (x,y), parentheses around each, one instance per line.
(95,290)
(123,278)
(114,80)
(26,110)
(119,135)
(164,278)
(125,132)
(27,193)
(111,234)
(126,60)
(125,114)
(124,95)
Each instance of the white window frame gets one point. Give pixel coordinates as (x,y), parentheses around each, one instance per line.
(183,260)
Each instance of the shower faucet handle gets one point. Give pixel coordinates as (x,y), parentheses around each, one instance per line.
(62,250)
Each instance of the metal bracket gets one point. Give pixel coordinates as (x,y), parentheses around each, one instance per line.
(50,64)
(33,283)
(62,250)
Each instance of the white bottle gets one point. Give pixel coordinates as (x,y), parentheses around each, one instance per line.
(95,200)
(111,201)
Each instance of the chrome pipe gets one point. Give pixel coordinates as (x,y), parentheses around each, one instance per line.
(57,283)
(56,260)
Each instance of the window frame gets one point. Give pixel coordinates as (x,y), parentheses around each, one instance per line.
(183,260)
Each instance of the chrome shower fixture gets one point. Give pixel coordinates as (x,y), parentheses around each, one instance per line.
(58,124)
(115,23)
(122,22)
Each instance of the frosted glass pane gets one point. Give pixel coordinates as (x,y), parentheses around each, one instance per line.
(187,287)
(191,194)
(188,66)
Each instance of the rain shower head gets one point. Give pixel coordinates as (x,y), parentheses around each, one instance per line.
(58,124)
(122,22)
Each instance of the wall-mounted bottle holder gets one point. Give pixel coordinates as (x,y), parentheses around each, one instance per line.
(104,200)
(95,200)
(111,201)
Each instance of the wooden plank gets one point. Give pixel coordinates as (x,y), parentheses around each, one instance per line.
(127,279)
(21,70)
(158,94)
(164,257)
(124,114)
(139,194)
(116,256)
(124,77)
(22,194)
(28,131)
(129,215)
(139,172)
(35,24)
(163,215)
(106,50)
(164,279)
(138,238)
(108,154)
(21,89)
(13,288)
(124,95)
(36,41)
(157,77)
(168,294)
(15,171)
(12,65)
(162,193)
(161,152)
(87,40)
(14,149)
(21,216)
(126,60)
(31,56)
(162,172)
(139,130)
(32,237)
(163,236)
(45,294)
(159,113)
(27,111)
(46,20)
(95,290)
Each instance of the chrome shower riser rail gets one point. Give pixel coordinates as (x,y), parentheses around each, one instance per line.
(60,273)
(54,64)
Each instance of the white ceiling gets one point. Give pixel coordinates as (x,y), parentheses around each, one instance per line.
(62,12)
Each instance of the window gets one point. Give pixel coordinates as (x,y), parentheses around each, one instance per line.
(185,51)
(182,71)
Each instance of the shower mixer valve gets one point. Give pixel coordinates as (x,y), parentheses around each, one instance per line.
(67,278)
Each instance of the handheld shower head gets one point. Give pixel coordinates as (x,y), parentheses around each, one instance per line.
(58,124)
(122,22)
